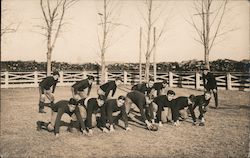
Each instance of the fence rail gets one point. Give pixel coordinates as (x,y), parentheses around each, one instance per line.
(227,81)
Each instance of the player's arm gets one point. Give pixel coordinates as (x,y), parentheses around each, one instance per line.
(79,118)
(89,115)
(58,120)
(89,89)
(190,107)
(54,86)
(125,117)
(113,91)
(103,116)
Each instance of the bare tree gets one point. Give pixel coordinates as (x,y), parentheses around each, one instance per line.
(151,39)
(53,16)
(7,27)
(207,22)
(108,17)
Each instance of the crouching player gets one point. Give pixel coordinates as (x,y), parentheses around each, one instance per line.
(94,106)
(106,88)
(164,103)
(180,107)
(202,101)
(45,90)
(139,99)
(160,87)
(82,88)
(58,109)
(115,107)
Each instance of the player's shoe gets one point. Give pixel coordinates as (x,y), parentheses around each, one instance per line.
(38,126)
(202,124)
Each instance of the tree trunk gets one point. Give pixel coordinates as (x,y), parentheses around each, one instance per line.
(148,53)
(147,68)
(140,64)
(49,62)
(103,49)
(206,58)
(207,4)
(103,69)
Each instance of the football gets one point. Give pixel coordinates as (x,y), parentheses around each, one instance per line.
(154,127)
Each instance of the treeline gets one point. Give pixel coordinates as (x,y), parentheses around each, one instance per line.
(191,65)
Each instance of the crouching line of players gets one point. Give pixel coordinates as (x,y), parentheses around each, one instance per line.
(163,108)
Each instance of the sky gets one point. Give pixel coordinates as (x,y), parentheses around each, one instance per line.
(78,42)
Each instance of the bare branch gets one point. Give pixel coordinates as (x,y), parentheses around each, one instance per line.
(44,15)
(60,23)
(218,26)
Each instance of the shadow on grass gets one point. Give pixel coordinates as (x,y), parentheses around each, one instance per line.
(231,107)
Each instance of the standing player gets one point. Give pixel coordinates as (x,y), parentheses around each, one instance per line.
(180,106)
(82,88)
(164,104)
(210,84)
(160,86)
(202,101)
(139,99)
(58,109)
(109,86)
(112,106)
(45,90)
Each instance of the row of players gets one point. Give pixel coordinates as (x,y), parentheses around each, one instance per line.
(150,98)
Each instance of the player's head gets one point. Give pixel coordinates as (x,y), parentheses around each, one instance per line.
(207,95)
(205,70)
(118,80)
(191,99)
(164,83)
(72,104)
(91,79)
(151,82)
(170,95)
(100,100)
(120,101)
(55,74)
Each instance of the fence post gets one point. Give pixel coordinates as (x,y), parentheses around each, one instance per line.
(6,80)
(84,74)
(170,76)
(197,80)
(35,78)
(106,75)
(125,77)
(61,77)
(229,84)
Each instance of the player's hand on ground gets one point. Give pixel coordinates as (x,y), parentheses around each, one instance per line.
(84,132)
(112,128)
(177,123)
(149,125)
(128,129)
(90,132)
(160,124)
(105,130)
(194,123)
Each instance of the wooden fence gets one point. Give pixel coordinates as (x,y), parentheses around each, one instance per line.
(229,81)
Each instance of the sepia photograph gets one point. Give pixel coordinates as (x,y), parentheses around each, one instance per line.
(125,79)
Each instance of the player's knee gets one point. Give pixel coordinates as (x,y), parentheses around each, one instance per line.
(42,99)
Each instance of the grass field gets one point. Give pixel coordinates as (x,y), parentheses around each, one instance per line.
(226,133)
